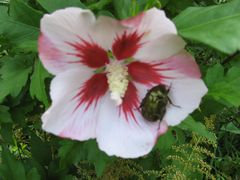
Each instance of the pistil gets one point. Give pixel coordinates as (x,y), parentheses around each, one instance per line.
(117,75)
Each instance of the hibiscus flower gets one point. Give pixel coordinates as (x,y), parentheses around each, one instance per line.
(103,69)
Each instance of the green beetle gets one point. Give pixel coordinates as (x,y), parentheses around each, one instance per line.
(153,105)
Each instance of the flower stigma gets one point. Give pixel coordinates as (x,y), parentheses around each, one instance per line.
(117,75)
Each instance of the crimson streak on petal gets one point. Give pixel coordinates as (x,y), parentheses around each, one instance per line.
(145,73)
(130,102)
(92,90)
(126,45)
(90,53)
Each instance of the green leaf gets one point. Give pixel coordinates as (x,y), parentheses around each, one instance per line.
(40,150)
(99,5)
(11,168)
(3,11)
(105,13)
(27,46)
(37,86)
(40,170)
(207,105)
(70,152)
(51,5)
(214,74)
(122,8)
(68,177)
(73,151)
(164,2)
(165,142)
(235,61)
(176,6)
(21,12)
(33,174)
(7,133)
(217,26)
(17,32)
(231,128)
(14,73)
(5,116)
(149,4)
(97,157)
(190,124)
(224,89)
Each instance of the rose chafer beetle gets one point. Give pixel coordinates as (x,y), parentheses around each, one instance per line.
(153,105)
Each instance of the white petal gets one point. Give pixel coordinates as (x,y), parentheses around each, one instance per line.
(68,24)
(62,118)
(153,22)
(125,138)
(187,94)
(105,31)
(160,48)
(68,82)
(64,25)
(58,29)
(160,38)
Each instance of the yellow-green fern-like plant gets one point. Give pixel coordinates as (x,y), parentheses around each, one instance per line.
(191,160)
(124,169)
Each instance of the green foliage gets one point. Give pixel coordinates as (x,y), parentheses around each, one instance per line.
(33,174)
(165,142)
(5,116)
(205,56)
(98,5)
(69,152)
(37,85)
(189,160)
(227,161)
(230,127)
(224,88)
(220,22)
(72,152)
(20,33)
(11,169)
(213,74)
(204,146)
(123,8)
(197,127)
(51,6)
(126,169)
(14,75)
(40,150)
(175,6)
(21,12)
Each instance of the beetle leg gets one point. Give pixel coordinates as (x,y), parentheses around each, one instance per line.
(138,108)
(169,87)
(159,124)
(170,101)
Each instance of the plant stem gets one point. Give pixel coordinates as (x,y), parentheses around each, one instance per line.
(230,57)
